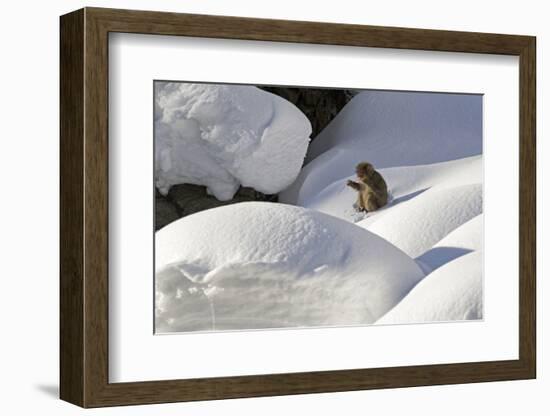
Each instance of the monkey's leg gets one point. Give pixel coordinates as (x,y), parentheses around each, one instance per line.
(362,202)
(371,204)
(358,205)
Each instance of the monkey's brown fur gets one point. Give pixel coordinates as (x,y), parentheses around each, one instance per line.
(372,189)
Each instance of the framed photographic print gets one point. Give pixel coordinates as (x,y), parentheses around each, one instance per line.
(256,207)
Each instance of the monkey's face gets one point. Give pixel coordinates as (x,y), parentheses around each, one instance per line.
(363,170)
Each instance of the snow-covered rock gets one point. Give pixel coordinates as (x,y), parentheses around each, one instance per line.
(417,224)
(465,239)
(389,129)
(454,292)
(265,265)
(224,136)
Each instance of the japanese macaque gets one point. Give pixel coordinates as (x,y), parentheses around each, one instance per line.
(372,189)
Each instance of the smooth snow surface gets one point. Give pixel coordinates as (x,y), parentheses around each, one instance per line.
(427,203)
(265,265)
(451,293)
(224,136)
(465,239)
(416,225)
(390,129)
(404,184)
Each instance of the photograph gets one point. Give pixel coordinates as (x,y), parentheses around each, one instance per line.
(280,207)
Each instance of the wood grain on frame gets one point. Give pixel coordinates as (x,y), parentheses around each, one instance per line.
(84,207)
(71,208)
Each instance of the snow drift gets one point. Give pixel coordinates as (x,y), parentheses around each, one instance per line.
(454,292)
(404,184)
(224,136)
(427,203)
(264,265)
(389,129)
(416,225)
(465,239)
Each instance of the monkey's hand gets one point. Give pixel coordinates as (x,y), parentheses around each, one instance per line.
(353,185)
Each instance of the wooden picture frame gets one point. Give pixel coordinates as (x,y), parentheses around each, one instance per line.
(84,207)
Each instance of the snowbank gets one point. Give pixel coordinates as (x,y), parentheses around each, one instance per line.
(465,239)
(427,202)
(404,183)
(454,292)
(416,225)
(264,265)
(223,136)
(390,129)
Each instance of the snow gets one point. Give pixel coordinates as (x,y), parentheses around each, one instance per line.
(404,183)
(390,129)
(417,224)
(225,136)
(465,239)
(404,127)
(454,292)
(427,202)
(312,260)
(267,265)
(427,147)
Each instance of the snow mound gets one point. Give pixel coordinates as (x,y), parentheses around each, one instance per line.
(376,122)
(265,265)
(465,239)
(224,136)
(416,225)
(454,292)
(404,183)
(389,129)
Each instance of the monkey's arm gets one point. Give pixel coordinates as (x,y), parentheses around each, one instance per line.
(353,185)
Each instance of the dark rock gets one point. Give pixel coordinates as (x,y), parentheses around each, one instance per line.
(186,199)
(165,212)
